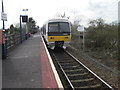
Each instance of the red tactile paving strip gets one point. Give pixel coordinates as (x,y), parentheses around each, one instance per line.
(48,78)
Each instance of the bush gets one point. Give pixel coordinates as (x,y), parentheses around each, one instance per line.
(104,39)
(100,38)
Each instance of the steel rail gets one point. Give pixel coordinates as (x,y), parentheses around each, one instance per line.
(91,71)
(64,73)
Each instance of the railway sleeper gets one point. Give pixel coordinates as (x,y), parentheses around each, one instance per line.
(80,77)
(75,70)
(96,87)
(71,68)
(74,66)
(68,61)
(82,80)
(64,59)
(68,64)
(86,82)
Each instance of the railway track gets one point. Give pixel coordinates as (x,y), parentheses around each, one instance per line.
(77,74)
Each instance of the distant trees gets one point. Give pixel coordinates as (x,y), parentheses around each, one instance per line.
(13,29)
(99,37)
(98,22)
(75,35)
(32,25)
(102,37)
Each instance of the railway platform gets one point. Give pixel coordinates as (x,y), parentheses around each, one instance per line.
(30,66)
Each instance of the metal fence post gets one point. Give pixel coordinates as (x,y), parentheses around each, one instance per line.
(20,29)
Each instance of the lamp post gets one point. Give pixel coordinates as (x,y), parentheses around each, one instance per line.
(3,15)
(3,12)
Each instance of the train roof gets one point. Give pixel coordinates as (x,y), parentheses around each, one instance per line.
(58,20)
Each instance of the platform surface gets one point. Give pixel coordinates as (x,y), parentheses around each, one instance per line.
(22,68)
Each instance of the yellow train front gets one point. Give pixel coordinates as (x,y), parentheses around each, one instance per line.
(57,33)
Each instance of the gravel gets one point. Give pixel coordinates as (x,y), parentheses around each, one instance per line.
(107,75)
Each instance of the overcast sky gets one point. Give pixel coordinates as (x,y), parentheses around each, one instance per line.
(42,10)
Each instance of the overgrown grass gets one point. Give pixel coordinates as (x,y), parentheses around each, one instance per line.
(100,43)
(103,41)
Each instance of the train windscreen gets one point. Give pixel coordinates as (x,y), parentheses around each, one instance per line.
(59,27)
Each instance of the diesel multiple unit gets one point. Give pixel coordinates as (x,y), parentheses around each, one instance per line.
(57,33)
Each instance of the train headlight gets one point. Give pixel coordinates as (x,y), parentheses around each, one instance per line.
(66,37)
(51,37)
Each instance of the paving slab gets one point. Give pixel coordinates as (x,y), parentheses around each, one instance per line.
(22,68)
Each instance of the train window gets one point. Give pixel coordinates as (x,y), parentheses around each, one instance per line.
(59,27)
(53,27)
(64,27)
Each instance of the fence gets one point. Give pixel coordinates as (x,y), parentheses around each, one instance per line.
(13,40)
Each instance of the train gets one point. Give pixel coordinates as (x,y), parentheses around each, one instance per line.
(57,33)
